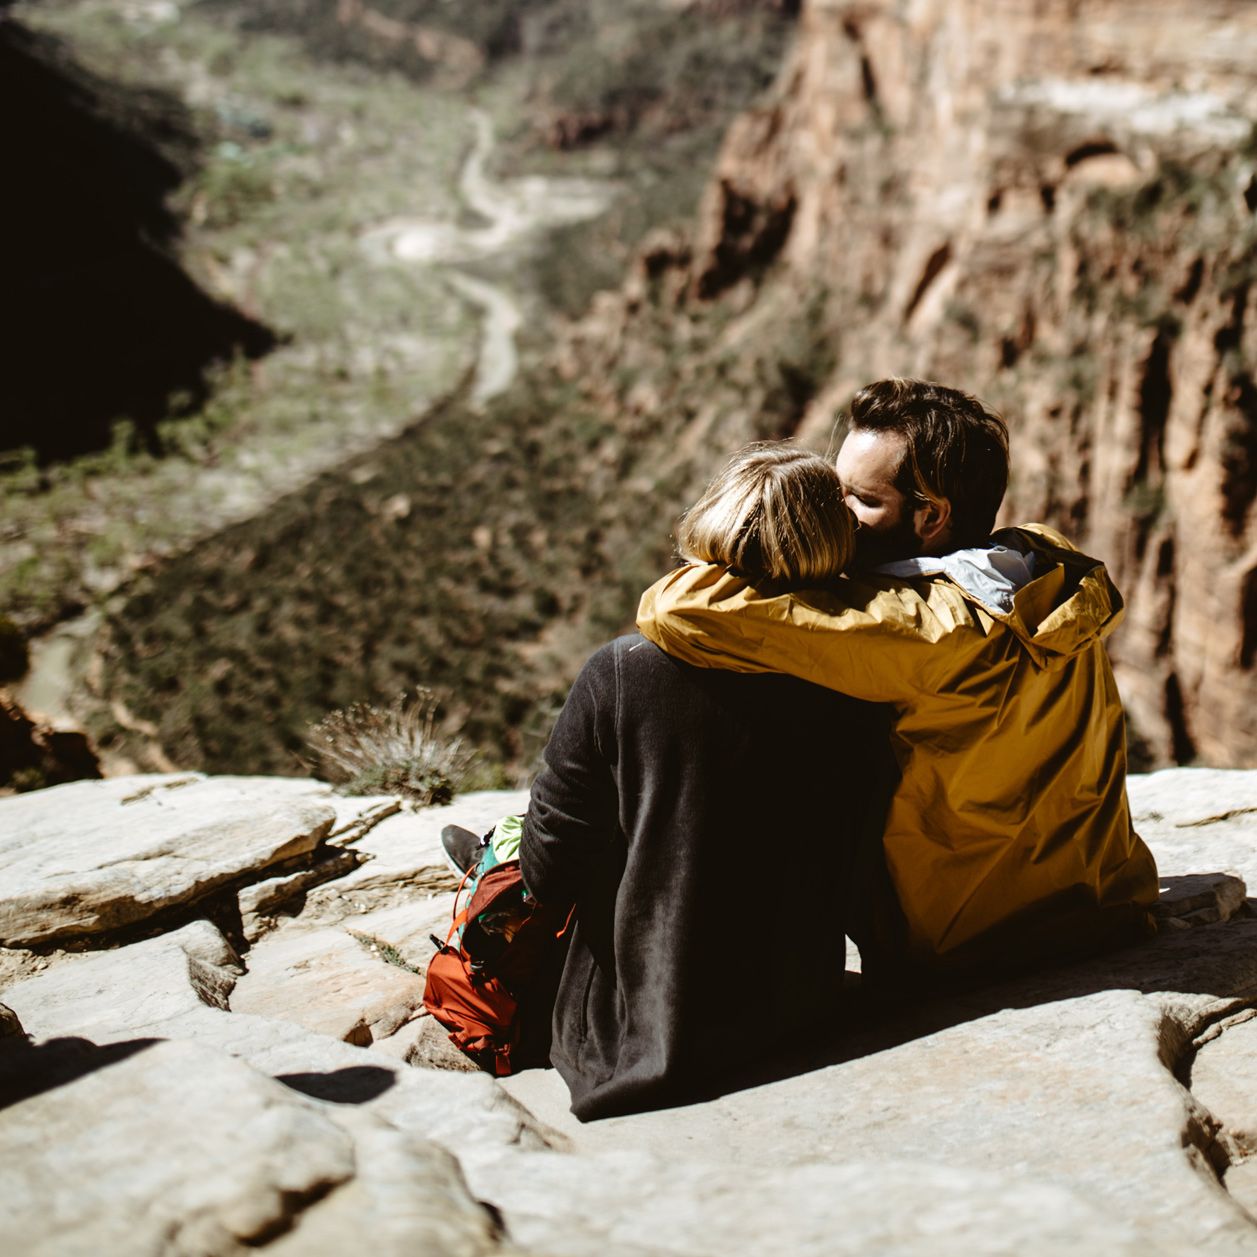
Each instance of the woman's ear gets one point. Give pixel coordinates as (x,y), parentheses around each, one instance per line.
(932,523)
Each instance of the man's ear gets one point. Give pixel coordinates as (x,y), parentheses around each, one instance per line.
(932,522)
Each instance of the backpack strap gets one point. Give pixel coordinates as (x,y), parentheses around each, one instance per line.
(461,918)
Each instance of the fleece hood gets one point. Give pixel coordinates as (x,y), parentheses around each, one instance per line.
(1056,600)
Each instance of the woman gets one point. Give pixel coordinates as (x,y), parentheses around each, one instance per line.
(698,820)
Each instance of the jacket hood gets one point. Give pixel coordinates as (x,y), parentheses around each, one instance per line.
(991,575)
(1056,600)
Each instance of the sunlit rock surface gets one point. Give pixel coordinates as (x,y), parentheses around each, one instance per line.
(1106,1106)
(94,856)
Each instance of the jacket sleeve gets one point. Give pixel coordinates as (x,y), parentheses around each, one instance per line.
(870,642)
(572,810)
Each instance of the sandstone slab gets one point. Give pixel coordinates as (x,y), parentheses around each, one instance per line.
(630,1204)
(406,928)
(341,969)
(1199,899)
(1223,1077)
(330,982)
(1073,1095)
(1198,820)
(148,988)
(262,902)
(178,986)
(96,856)
(425,1044)
(262,1158)
(405,849)
(1101,1107)
(358,815)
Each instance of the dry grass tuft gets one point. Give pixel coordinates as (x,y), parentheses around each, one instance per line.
(391,750)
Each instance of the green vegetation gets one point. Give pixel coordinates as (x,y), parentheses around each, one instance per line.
(1145,503)
(383,950)
(285,186)
(642,59)
(24,780)
(1144,253)
(635,68)
(478,554)
(440,559)
(482,555)
(1176,187)
(1179,210)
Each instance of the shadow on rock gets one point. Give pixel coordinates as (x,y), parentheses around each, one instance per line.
(356,1084)
(1204,966)
(28,1070)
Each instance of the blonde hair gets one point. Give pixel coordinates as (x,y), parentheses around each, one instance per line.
(776,513)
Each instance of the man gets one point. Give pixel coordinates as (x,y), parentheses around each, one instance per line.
(1008,838)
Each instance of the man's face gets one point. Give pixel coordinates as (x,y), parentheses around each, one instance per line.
(867,464)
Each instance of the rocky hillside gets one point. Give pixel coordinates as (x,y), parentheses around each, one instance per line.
(104,320)
(1055,207)
(1056,210)
(244,957)
(406,192)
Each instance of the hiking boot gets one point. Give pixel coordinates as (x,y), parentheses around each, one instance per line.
(463,849)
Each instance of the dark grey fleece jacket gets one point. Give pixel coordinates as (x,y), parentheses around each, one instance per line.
(703,823)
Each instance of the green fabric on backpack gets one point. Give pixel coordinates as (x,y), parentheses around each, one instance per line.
(502,847)
(506,838)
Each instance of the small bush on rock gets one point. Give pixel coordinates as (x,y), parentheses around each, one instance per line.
(391,750)
(27,779)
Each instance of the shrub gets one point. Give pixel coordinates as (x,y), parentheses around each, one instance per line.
(383,950)
(26,779)
(392,750)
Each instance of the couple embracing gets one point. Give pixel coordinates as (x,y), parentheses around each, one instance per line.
(854,711)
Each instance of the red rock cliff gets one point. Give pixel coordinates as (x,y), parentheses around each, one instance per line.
(1050,204)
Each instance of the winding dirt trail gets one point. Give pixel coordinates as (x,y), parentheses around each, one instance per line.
(515,213)
(498,360)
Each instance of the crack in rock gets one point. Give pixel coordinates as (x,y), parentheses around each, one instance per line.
(1217,819)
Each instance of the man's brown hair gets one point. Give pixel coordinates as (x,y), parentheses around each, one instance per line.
(956,447)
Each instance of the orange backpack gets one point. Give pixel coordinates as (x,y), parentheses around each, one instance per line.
(494,989)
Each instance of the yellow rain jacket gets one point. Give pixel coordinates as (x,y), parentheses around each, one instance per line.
(1009,834)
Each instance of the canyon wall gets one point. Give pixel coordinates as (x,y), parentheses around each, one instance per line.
(1049,204)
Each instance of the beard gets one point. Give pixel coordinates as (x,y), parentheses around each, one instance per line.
(873,547)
